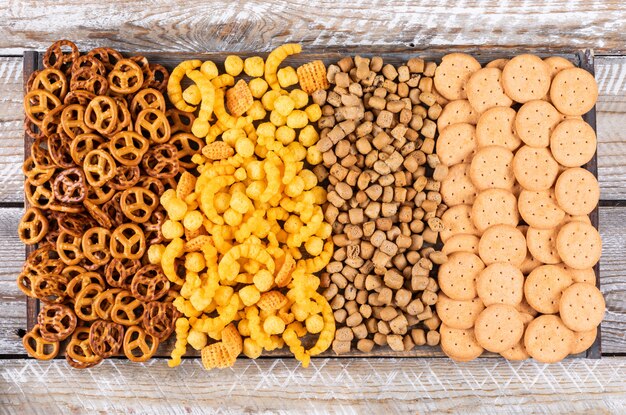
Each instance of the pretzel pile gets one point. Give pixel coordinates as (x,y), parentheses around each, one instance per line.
(105,149)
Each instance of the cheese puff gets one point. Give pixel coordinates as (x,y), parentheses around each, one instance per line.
(285,134)
(231,136)
(185,307)
(192,220)
(233,65)
(223,294)
(198,243)
(300,312)
(297,119)
(207,196)
(324,231)
(243,327)
(273,325)
(269,98)
(299,97)
(274,60)
(249,295)
(284,313)
(309,178)
(244,147)
(202,298)
(314,324)
(313,112)
(240,202)
(223,81)
(255,189)
(308,136)
(226,315)
(197,339)
(175,207)
(258,87)
(256,111)
(229,268)
(244,278)
(320,195)
(240,174)
(192,95)
(290,336)
(251,348)
(266,129)
(254,66)
(209,69)
(314,245)
(225,118)
(180,348)
(232,217)
(298,150)
(313,155)
(172,229)
(221,201)
(287,77)
(215,130)
(155,253)
(277,119)
(198,158)
(174,88)
(194,261)
(284,105)
(192,282)
(292,224)
(327,335)
(263,280)
(172,251)
(186,185)
(207,91)
(295,187)
(318,263)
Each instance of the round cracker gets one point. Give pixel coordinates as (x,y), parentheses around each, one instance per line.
(535,168)
(456,143)
(457,219)
(460,345)
(500,283)
(526,310)
(582,307)
(587,275)
(502,243)
(462,242)
(496,126)
(484,90)
(529,264)
(535,122)
(497,63)
(516,353)
(583,340)
(499,327)
(573,143)
(548,340)
(579,245)
(575,218)
(556,64)
(574,91)
(457,187)
(577,191)
(492,168)
(544,286)
(457,276)
(542,245)
(526,77)
(494,207)
(540,209)
(455,112)
(452,74)
(458,314)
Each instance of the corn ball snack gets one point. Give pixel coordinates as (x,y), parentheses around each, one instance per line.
(246,234)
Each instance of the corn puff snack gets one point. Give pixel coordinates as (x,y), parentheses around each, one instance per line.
(246,235)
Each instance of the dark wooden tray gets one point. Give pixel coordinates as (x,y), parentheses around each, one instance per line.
(33,60)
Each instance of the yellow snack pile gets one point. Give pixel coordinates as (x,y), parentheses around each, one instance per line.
(246,235)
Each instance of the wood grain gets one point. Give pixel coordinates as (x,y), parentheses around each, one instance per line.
(327,386)
(11,127)
(261,25)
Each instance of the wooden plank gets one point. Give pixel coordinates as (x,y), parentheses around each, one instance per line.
(262,25)
(11,127)
(327,386)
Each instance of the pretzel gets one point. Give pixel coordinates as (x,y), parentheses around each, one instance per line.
(95,244)
(128,241)
(125,177)
(147,98)
(32,227)
(127,310)
(34,174)
(69,186)
(31,80)
(128,147)
(159,319)
(97,213)
(87,61)
(139,346)
(39,348)
(59,149)
(86,79)
(126,77)
(71,272)
(68,248)
(152,124)
(83,302)
(150,284)
(78,283)
(160,77)
(119,272)
(50,288)
(186,145)
(75,224)
(56,58)
(124,117)
(51,123)
(161,161)
(101,114)
(32,130)
(83,144)
(152,228)
(40,155)
(144,65)
(180,121)
(109,57)
(79,96)
(37,103)
(78,352)
(73,120)
(113,210)
(52,80)
(151,183)
(56,322)
(103,303)
(39,196)
(105,338)
(99,167)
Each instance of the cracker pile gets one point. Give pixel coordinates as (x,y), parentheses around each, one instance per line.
(519,280)
(103,152)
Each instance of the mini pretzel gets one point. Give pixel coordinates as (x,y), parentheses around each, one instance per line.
(138,204)
(86,79)
(39,348)
(71,272)
(103,303)
(161,161)
(97,213)
(105,338)
(65,207)
(152,124)
(128,147)
(95,244)
(109,57)
(40,196)
(126,77)
(34,174)
(179,121)
(73,120)
(40,155)
(143,63)
(83,144)
(83,303)
(69,186)
(152,228)
(59,149)
(125,177)
(147,98)
(124,118)
(128,241)
(51,123)
(50,288)
(79,96)
(56,58)
(75,224)
(151,183)
(33,226)
(150,284)
(160,77)
(37,103)
(119,272)
(32,130)
(56,322)
(68,248)
(101,114)
(139,346)
(186,145)
(78,352)
(31,80)
(159,319)
(113,210)
(52,80)
(127,309)
(99,167)
(78,284)
(90,62)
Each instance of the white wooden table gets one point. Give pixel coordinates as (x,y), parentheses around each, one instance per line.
(350,385)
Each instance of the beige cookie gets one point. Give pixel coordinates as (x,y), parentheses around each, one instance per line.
(535,168)
(452,74)
(484,90)
(457,187)
(574,91)
(556,64)
(458,344)
(548,340)
(587,275)
(539,209)
(577,191)
(582,307)
(502,243)
(542,245)
(575,218)
(544,286)
(526,310)
(458,314)
(583,340)
(500,283)
(498,327)
(457,277)
(455,112)
(529,264)
(497,63)
(456,143)
(535,122)
(496,126)
(492,168)
(573,143)
(518,352)
(458,219)
(494,207)
(526,77)
(462,242)
(579,245)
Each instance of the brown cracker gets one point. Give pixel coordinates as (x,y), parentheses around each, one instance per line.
(526,77)
(542,245)
(457,219)
(535,122)
(461,242)
(494,207)
(484,90)
(574,91)
(583,340)
(456,143)
(452,75)
(460,345)
(458,314)
(458,111)
(540,209)
(457,187)
(457,277)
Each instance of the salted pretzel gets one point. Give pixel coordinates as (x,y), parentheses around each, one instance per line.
(95,244)
(77,284)
(180,121)
(50,288)
(125,177)
(103,303)
(139,346)
(119,272)
(69,249)
(124,117)
(147,98)
(86,79)
(59,149)
(126,77)
(160,77)
(109,57)
(40,196)
(36,175)
(52,80)
(73,120)
(69,186)
(128,241)
(105,338)
(83,144)
(33,226)
(51,123)
(159,319)
(71,272)
(83,302)
(101,114)
(152,124)
(32,130)
(186,146)
(56,322)
(37,103)
(144,64)
(40,155)
(161,161)
(127,309)
(128,147)
(113,210)
(96,212)
(78,352)
(75,224)
(39,348)
(152,228)
(138,204)
(150,283)
(151,183)
(91,62)
(99,167)
(79,96)
(31,80)
(56,57)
